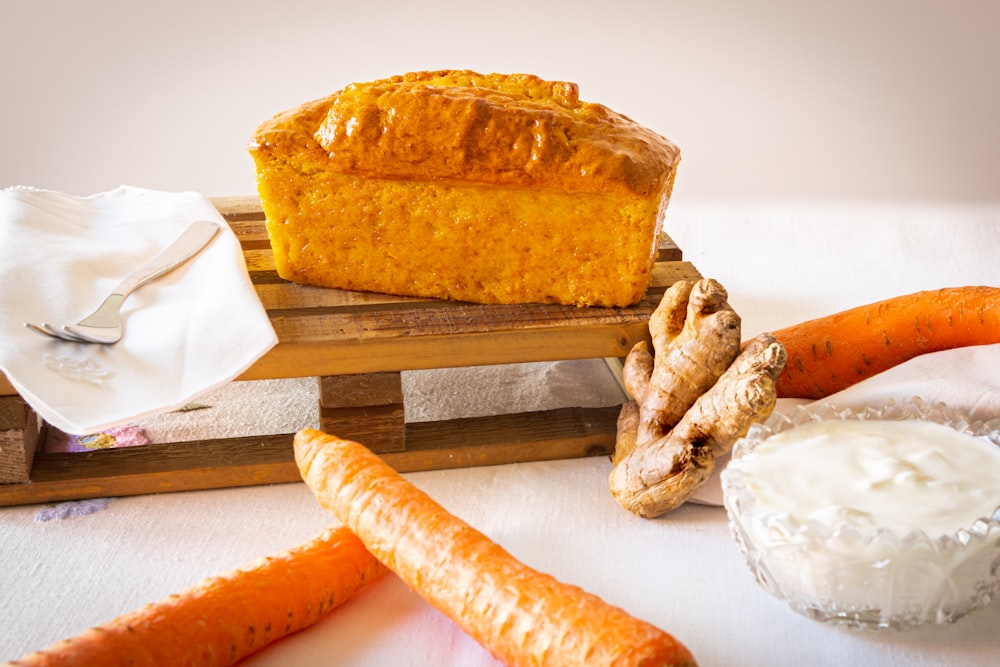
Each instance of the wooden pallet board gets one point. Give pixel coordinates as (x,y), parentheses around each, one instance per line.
(325,332)
(253,461)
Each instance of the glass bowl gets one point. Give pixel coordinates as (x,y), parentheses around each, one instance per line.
(852,573)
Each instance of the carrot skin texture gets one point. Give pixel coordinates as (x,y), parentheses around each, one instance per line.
(222,620)
(523,617)
(831,353)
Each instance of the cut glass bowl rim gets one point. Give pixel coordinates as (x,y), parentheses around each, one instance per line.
(735,490)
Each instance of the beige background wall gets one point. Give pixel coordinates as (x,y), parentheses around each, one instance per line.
(891,99)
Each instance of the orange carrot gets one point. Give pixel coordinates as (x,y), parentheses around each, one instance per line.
(831,353)
(521,616)
(221,620)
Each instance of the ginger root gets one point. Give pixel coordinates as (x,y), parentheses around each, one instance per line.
(696,336)
(692,400)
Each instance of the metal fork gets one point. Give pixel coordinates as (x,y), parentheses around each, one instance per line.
(104,324)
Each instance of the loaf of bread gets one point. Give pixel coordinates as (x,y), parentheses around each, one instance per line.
(456,185)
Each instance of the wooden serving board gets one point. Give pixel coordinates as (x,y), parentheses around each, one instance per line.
(363,341)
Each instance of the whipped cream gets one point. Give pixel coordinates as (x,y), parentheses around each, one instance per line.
(901,476)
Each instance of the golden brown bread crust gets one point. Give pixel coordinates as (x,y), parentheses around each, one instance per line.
(452,184)
(503,129)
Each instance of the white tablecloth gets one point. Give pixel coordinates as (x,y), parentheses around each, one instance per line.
(781,263)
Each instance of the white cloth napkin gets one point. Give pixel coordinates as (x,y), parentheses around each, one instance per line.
(187,332)
(966,379)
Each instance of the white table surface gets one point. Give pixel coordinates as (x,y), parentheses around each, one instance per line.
(781,263)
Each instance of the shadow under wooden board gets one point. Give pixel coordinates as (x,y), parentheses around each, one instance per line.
(359,343)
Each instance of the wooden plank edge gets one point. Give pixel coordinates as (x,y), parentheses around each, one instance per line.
(238,208)
(300,355)
(319,357)
(6,388)
(254,461)
(159,468)
(284,299)
(563,433)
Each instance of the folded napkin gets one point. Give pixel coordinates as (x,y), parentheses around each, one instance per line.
(966,379)
(186,332)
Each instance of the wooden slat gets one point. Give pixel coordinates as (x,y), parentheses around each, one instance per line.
(159,468)
(356,333)
(303,359)
(251,461)
(240,208)
(277,294)
(282,296)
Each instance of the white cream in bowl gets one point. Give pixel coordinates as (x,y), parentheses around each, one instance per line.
(888,518)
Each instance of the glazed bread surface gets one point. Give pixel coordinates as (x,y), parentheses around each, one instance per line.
(485,188)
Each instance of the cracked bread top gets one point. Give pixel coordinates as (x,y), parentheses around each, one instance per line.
(515,129)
